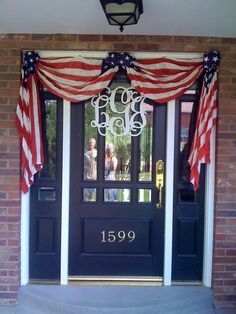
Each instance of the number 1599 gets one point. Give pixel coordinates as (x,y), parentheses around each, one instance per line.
(117,236)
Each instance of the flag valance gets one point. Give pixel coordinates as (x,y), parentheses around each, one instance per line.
(77,79)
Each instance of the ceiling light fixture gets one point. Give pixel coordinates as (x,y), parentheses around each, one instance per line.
(122,12)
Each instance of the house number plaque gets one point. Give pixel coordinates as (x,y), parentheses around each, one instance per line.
(120,236)
(116,235)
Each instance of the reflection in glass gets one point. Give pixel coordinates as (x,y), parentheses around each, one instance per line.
(185,139)
(50,122)
(46,194)
(186,111)
(116,195)
(117,152)
(187,117)
(144,195)
(110,162)
(145,146)
(90,151)
(89,195)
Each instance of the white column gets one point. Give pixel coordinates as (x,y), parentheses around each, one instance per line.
(209,215)
(65,192)
(169,192)
(25,209)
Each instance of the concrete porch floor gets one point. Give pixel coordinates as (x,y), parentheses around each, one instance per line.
(45,299)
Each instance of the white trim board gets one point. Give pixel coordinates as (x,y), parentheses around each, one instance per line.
(209,203)
(170,143)
(65,192)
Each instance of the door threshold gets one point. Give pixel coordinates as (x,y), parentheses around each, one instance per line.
(115,280)
(187,283)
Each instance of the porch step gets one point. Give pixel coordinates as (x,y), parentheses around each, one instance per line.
(51,299)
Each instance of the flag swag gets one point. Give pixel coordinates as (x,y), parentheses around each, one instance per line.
(77,79)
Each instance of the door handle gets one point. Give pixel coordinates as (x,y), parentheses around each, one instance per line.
(159,181)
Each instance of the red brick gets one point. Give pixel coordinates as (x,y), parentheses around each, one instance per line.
(90,37)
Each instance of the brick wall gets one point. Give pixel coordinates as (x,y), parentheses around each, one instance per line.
(224,268)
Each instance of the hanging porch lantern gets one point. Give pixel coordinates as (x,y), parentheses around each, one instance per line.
(122,12)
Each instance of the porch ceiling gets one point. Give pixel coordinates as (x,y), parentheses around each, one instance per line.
(161,17)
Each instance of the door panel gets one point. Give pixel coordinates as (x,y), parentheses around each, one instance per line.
(45,197)
(188,220)
(115,227)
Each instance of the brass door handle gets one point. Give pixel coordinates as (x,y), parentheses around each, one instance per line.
(159,181)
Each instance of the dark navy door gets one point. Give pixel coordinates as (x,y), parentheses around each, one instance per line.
(116,204)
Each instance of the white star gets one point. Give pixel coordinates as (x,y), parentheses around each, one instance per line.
(112,55)
(29,53)
(127,57)
(31,60)
(206,58)
(215,58)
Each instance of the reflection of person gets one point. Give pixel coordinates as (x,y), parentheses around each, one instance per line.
(90,169)
(90,161)
(110,171)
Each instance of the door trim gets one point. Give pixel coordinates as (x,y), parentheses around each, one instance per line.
(65,192)
(170,143)
(209,196)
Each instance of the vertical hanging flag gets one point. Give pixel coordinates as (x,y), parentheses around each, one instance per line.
(206,119)
(29,121)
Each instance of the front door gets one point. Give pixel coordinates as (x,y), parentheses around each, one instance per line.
(116,210)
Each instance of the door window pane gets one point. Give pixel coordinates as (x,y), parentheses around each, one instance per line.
(46,194)
(117,148)
(188,113)
(49,122)
(144,195)
(90,145)
(118,158)
(89,195)
(116,195)
(145,147)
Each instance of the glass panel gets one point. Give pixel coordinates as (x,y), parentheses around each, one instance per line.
(117,195)
(118,158)
(89,194)
(46,194)
(145,146)
(186,111)
(90,151)
(144,195)
(185,189)
(50,122)
(117,148)
(185,143)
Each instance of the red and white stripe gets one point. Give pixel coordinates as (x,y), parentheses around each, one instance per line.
(77,79)
(164,79)
(28,114)
(74,79)
(206,119)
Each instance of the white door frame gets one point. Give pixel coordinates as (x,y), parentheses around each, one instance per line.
(209,194)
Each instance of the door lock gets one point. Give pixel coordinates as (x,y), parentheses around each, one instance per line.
(159,181)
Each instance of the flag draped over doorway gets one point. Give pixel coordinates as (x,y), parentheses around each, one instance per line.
(77,79)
